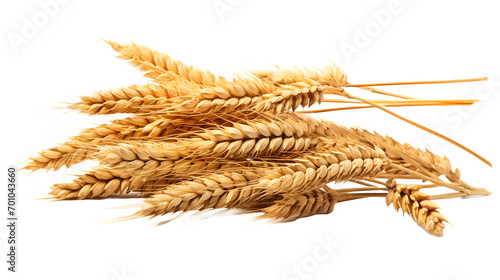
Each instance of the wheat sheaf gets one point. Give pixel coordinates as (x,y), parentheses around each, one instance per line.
(196,141)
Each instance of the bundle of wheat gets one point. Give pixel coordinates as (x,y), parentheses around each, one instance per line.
(197,141)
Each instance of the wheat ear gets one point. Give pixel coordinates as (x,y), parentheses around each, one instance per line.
(329,76)
(81,147)
(158,65)
(410,200)
(130,99)
(102,183)
(299,205)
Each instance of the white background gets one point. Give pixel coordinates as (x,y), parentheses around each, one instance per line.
(422,40)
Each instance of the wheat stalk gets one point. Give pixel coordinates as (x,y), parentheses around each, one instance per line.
(196,141)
